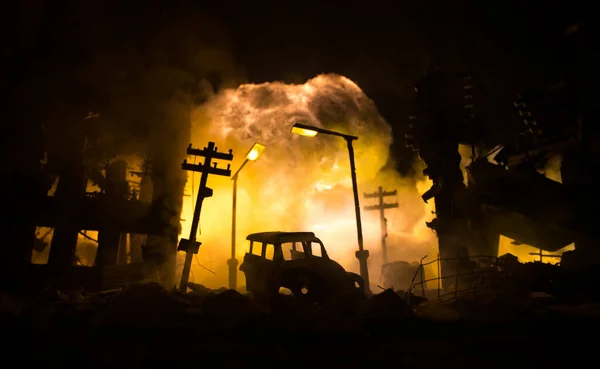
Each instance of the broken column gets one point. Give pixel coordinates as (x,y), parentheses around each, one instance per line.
(137,241)
(438,128)
(69,196)
(116,191)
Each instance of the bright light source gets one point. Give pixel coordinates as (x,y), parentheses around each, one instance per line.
(255,151)
(304,131)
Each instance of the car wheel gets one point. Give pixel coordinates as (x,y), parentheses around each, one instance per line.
(307,286)
(357,283)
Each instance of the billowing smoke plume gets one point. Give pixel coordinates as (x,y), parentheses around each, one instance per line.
(301,183)
(266,112)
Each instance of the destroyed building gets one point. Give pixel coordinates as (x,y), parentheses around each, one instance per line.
(136,229)
(505,192)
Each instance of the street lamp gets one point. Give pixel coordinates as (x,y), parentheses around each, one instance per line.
(362,255)
(252,155)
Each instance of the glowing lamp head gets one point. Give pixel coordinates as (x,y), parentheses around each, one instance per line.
(303,130)
(255,151)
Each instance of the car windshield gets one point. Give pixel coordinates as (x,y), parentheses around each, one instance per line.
(295,250)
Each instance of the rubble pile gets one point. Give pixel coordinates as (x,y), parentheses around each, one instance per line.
(576,285)
(148,323)
(149,305)
(386,310)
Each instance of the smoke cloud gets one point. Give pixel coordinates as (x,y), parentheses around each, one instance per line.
(301,183)
(142,68)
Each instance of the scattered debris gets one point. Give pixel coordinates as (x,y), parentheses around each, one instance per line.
(412,299)
(437,311)
(399,274)
(386,305)
(201,289)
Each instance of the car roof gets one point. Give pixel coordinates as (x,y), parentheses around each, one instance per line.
(282,237)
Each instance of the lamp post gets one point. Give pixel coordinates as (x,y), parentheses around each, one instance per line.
(362,255)
(252,155)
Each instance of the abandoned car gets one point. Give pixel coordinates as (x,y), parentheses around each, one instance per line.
(274,260)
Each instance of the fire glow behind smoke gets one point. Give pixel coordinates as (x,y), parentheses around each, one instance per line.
(299,183)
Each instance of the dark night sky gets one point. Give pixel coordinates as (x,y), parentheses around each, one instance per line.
(382,45)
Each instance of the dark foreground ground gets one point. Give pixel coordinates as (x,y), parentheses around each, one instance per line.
(146,327)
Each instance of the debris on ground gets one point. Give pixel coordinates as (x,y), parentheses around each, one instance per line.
(400,275)
(437,311)
(412,299)
(201,289)
(146,322)
(150,305)
(384,312)
(387,305)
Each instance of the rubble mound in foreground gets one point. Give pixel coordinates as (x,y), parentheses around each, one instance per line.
(151,306)
(144,326)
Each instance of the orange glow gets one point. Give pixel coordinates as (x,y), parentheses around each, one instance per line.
(300,184)
(524,252)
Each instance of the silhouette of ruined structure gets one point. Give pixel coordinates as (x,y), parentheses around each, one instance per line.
(506,192)
(50,189)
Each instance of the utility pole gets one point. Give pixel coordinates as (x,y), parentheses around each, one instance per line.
(191,246)
(381,194)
